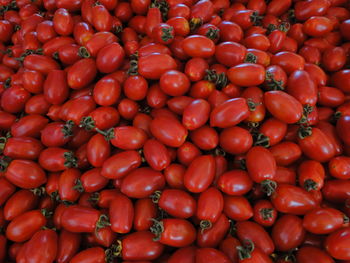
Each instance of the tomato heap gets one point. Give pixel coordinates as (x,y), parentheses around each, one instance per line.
(174,131)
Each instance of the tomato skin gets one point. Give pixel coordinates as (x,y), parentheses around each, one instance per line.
(246,74)
(260,156)
(210,255)
(17,173)
(22,148)
(177,203)
(184,254)
(155,65)
(342,126)
(68,245)
(77,108)
(27,200)
(168,131)
(66,185)
(121,214)
(211,237)
(106,91)
(229,113)
(310,254)
(13,99)
(292,200)
(288,232)
(144,209)
(55,159)
(40,63)
(257,234)
(142,182)
(323,220)
(90,255)
(24,226)
(235,182)
(237,208)
(81,73)
(334,58)
(230,53)
(317,146)
(120,164)
(110,58)
(336,190)
(339,167)
(177,232)
(235,140)
(276,101)
(141,246)
(46,240)
(206,210)
(79,219)
(200,174)
(306,95)
(337,244)
(205,137)
(198,46)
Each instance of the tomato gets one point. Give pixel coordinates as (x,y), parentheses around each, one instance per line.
(235,140)
(311,175)
(174,83)
(235,182)
(317,26)
(309,254)
(174,232)
(25,198)
(101,118)
(68,245)
(195,68)
(90,255)
(198,46)
(77,108)
(246,74)
(339,167)
(37,105)
(334,58)
(22,148)
(142,182)
(56,134)
(336,244)
(211,237)
(342,126)
(13,99)
(237,208)
(168,131)
(155,65)
(24,226)
(305,10)
(120,164)
(247,230)
(55,159)
(109,58)
(144,209)
(316,145)
(323,220)
(264,213)
(205,137)
(81,73)
(185,254)
(292,199)
(210,255)
(47,241)
(106,91)
(230,53)
(200,174)
(121,214)
(288,232)
(140,245)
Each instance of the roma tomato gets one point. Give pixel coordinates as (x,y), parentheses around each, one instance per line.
(246,74)
(198,46)
(337,244)
(155,65)
(200,174)
(120,164)
(90,255)
(121,214)
(235,182)
(144,209)
(156,154)
(81,73)
(128,137)
(310,254)
(20,202)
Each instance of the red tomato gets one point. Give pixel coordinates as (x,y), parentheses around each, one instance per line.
(81,73)
(120,164)
(246,74)
(142,182)
(174,83)
(140,246)
(292,199)
(264,213)
(24,226)
(128,137)
(68,245)
(200,174)
(90,255)
(337,244)
(236,140)
(121,214)
(237,208)
(311,175)
(174,232)
(155,65)
(309,254)
(22,148)
(230,53)
(235,182)
(144,209)
(339,167)
(185,255)
(110,58)
(55,159)
(198,46)
(247,230)
(288,232)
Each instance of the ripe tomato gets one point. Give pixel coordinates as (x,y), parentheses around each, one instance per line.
(22,148)
(339,167)
(311,175)
(140,246)
(174,232)
(288,61)
(27,200)
(142,182)
(200,174)
(68,245)
(198,46)
(292,199)
(246,74)
(121,214)
(342,129)
(337,244)
(174,83)
(210,255)
(90,255)
(288,232)
(235,182)
(144,209)
(24,226)
(235,140)
(154,65)
(309,254)
(185,255)
(120,164)
(247,230)
(264,213)
(237,208)
(128,137)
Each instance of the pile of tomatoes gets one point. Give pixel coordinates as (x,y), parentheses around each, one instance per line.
(174,131)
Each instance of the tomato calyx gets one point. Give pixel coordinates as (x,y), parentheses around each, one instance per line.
(133,68)
(83,52)
(163,6)
(70,160)
(195,23)
(4,163)
(245,251)
(204,225)
(255,18)
(346,219)
(167,33)
(266,213)
(307,109)
(46,213)
(67,129)
(304,131)
(39,191)
(157,229)
(113,251)
(102,222)
(156,196)
(310,184)
(268,187)
(272,83)
(219,79)
(212,33)
(28,52)
(79,186)
(94,197)
(251,58)
(7,83)
(261,140)
(87,123)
